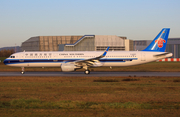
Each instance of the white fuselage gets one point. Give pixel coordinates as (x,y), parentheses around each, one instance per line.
(55,59)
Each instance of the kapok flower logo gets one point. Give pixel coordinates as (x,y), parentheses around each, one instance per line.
(160,42)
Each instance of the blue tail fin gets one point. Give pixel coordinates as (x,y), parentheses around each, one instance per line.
(159,43)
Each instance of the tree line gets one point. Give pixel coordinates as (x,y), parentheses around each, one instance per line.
(6,53)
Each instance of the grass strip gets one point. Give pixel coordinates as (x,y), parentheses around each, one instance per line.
(38,104)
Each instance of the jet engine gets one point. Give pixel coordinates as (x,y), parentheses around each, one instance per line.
(97,64)
(67,67)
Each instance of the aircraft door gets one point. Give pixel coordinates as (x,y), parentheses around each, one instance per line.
(55,58)
(55,55)
(143,56)
(21,58)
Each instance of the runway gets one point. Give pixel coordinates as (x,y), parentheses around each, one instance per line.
(92,74)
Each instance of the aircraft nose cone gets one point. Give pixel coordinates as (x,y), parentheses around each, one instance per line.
(5,61)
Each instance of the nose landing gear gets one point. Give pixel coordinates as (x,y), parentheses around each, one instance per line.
(22,70)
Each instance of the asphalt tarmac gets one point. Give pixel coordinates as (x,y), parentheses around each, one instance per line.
(93,74)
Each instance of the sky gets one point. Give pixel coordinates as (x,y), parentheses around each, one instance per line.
(135,19)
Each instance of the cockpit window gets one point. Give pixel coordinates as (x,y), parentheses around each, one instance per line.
(12,56)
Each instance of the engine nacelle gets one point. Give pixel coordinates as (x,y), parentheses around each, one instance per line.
(97,64)
(67,67)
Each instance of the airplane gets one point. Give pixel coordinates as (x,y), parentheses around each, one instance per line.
(72,60)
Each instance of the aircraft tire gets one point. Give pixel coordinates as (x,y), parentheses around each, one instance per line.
(87,72)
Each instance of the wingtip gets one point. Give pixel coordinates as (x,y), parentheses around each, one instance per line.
(104,54)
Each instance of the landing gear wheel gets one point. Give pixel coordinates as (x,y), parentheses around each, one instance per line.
(22,70)
(87,72)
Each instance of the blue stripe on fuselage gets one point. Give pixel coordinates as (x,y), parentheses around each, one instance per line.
(19,61)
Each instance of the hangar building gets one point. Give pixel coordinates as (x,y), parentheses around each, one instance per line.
(173,46)
(77,43)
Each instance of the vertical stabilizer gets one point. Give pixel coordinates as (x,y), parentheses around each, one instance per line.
(159,43)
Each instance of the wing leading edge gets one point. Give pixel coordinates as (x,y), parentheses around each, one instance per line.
(91,61)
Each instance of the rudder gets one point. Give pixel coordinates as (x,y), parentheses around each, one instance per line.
(159,43)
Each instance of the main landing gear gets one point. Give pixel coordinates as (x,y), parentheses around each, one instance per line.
(87,72)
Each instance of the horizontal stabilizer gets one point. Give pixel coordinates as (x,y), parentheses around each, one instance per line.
(162,54)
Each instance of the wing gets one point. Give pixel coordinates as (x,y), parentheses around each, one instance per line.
(91,61)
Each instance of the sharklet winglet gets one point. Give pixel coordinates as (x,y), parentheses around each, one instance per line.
(104,54)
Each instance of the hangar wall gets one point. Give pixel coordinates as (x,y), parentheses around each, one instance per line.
(114,42)
(32,44)
(47,43)
(100,43)
(50,43)
(86,43)
(129,45)
(77,43)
